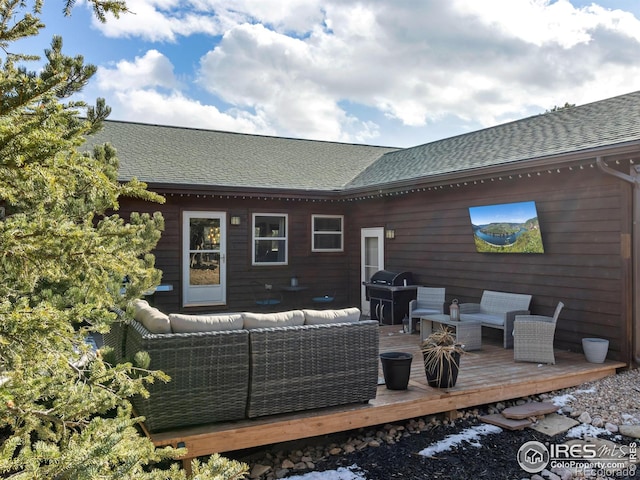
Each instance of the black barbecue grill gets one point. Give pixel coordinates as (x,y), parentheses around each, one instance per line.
(389,294)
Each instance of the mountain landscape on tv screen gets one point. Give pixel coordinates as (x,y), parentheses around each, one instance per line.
(509,237)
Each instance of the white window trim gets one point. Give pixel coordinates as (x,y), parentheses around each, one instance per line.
(313,233)
(254,238)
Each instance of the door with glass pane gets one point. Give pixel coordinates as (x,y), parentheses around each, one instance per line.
(204,258)
(371,259)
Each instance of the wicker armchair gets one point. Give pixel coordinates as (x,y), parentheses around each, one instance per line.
(533,337)
(429,301)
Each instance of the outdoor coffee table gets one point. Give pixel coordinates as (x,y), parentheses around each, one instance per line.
(468,333)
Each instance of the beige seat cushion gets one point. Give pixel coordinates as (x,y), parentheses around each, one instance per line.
(138,306)
(292,318)
(319,317)
(205,323)
(153,319)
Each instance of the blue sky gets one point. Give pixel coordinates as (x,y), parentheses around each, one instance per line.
(381,72)
(508,212)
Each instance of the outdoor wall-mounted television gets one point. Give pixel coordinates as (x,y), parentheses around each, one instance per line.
(506,228)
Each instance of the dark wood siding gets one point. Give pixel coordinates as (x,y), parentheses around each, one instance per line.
(321,272)
(585,219)
(585,223)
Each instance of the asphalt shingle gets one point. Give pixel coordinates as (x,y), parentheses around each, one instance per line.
(183,156)
(605,123)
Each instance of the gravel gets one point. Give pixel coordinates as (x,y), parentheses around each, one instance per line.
(606,408)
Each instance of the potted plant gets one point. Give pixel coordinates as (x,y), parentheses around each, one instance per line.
(441,354)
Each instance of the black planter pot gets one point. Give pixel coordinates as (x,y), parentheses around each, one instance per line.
(443,374)
(396,367)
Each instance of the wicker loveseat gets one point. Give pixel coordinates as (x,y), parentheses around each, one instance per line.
(251,365)
(497,310)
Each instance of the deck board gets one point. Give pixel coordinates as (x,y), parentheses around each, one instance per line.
(487,375)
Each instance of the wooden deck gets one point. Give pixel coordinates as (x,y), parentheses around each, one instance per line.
(486,376)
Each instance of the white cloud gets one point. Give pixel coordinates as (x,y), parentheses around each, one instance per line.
(149,106)
(151,70)
(160,21)
(295,68)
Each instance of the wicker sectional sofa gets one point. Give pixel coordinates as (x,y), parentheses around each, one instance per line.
(249,365)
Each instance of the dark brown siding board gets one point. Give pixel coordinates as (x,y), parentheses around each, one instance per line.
(581,224)
(584,218)
(315,270)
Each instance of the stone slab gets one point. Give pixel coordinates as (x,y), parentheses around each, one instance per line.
(530,409)
(503,422)
(632,431)
(554,424)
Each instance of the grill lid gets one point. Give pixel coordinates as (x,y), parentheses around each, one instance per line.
(385,277)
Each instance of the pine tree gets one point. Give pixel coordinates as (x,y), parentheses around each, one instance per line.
(64,409)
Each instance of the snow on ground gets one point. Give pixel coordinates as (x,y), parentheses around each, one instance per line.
(564,400)
(471,435)
(349,473)
(585,430)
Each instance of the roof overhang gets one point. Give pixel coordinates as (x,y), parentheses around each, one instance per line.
(578,159)
(533,166)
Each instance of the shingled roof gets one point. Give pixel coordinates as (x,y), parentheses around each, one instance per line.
(194,157)
(606,123)
(184,156)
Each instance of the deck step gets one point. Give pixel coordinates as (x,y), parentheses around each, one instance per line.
(530,409)
(503,422)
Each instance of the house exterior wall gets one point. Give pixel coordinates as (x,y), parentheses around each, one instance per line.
(585,221)
(321,272)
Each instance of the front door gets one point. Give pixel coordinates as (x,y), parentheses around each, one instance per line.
(371,259)
(204,258)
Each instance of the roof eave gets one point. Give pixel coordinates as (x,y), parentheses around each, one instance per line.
(515,167)
(243,192)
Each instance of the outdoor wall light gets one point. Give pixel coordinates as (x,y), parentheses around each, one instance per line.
(390,233)
(235,220)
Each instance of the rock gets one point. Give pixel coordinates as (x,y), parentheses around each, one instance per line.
(374,443)
(258,470)
(563,473)
(335,451)
(584,418)
(282,472)
(597,422)
(546,474)
(611,427)
(632,431)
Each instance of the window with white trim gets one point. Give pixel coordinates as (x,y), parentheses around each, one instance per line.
(327,233)
(270,238)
